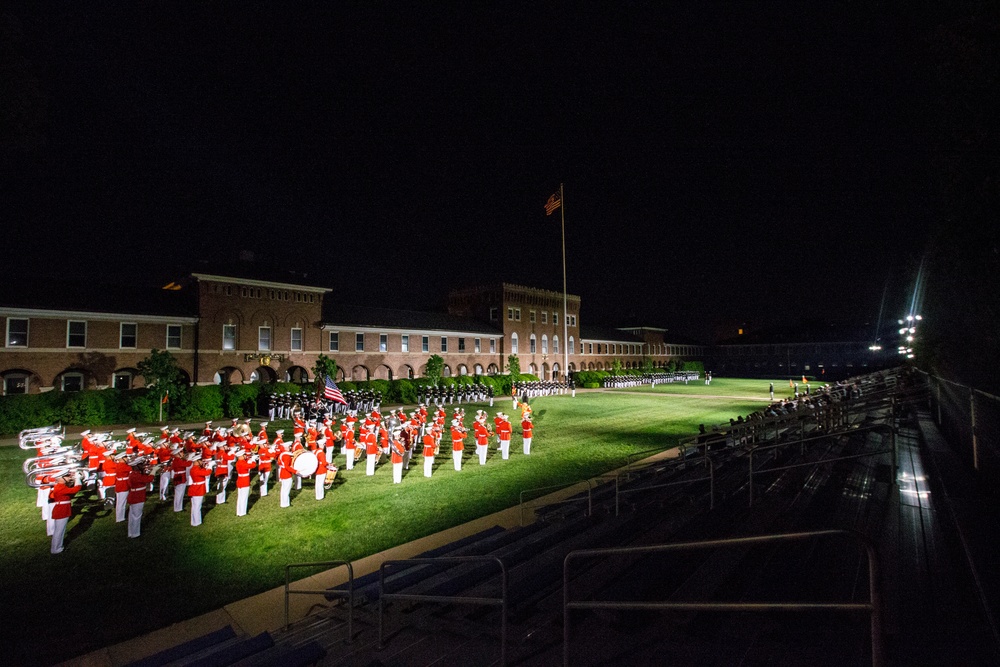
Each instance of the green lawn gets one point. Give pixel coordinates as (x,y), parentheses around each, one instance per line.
(727,387)
(106,588)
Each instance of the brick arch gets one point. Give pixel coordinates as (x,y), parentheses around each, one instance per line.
(297,315)
(225,315)
(34,380)
(258,316)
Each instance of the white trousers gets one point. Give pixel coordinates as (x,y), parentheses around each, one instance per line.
(58,533)
(350,458)
(457,456)
(264,476)
(196,510)
(505,449)
(527,445)
(135,519)
(371,465)
(482,450)
(179,490)
(428,465)
(221,496)
(242,496)
(397,472)
(298,482)
(286,490)
(121,506)
(165,484)
(320,489)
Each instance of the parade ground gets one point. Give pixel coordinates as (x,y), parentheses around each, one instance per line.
(106,588)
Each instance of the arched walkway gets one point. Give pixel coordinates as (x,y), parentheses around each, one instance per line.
(297,374)
(228,375)
(359,373)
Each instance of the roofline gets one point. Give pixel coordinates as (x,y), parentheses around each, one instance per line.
(327,326)
(96,315)
(260,283)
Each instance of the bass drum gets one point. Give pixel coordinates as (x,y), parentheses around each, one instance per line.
(304,463)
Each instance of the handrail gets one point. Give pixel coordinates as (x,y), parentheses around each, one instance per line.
(349,593)
(873,607)
(631,457)
(711,484)
(501,601)
(590,500)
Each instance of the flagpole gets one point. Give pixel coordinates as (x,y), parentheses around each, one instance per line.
(562,208)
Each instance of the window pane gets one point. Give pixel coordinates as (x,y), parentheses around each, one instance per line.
(128,335)
(461,345)
(17,333)
(383,342)
(72,382)
(15,384)
(76,334)
(493,345)
(334,341)
(297,340)
(173,336)
(264,338)
(444,343)
(425,344)
(478,346)
(228,336)
(359,342)
(405,343)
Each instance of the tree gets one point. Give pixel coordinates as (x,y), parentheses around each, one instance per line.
(435,367)
(162,376)
(647,365)
(616,366)
(514,366)
(325,367)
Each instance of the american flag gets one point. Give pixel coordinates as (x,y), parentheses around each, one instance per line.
(554,202)
(332,392)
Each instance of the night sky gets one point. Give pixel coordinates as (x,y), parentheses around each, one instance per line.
(747,164)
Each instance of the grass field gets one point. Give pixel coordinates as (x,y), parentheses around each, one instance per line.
(106,588)
(726,387)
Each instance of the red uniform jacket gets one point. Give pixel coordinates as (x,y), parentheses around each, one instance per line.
(199,479)
(137,482)
(61,497)
(243,468)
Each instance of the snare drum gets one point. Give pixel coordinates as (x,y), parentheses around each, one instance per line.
(304,463)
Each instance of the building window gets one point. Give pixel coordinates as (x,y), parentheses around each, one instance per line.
(510,313)
(570,347)
(461,346)
(531,316)
(513,343)
(72,382)
(545,344)
(173,336)
(493,345)
(122,380)
(477,346)
(17,333)
(555,345)
(444,343)
(15,383)
(425,343)
(555,318)
(405,342)
(359,342)
(545,317)
(334,345)
(590,348)
(76,334)
(517,314)
(383,342)
(264,339)
(531,344)
(494,316)
(228,336)
(128,333)
(296,340)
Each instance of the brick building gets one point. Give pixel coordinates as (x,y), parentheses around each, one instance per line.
(238,329)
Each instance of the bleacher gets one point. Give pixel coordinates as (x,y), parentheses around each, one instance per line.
(665,563)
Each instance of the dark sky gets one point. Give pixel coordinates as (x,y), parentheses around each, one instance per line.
(724,164)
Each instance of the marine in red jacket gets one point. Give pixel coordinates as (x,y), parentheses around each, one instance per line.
(61,500)
(137,482)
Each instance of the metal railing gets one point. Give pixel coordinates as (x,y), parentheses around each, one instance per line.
(590,497)
(480,601)
(765,450)
(349,593)
(873,606)
(711,483)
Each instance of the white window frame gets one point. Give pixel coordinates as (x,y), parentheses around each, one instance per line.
(118,374)
(9,377)
(513,343)
(27,330)
(69,325)
(262,345)
(62,382)
(383,342)
(532,344)
(333,342)
(532,317)
(179,336)
(545,317)
(555,345)
(510,313)
(545,344)
(493,345)
(444,345)
(555,319)
(425,343)
(477,345)
(121,335)
(359,342)
(232,328)
(517,314)
(404,342)
(291,340)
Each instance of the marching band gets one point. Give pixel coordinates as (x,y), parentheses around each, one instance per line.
(192,465)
